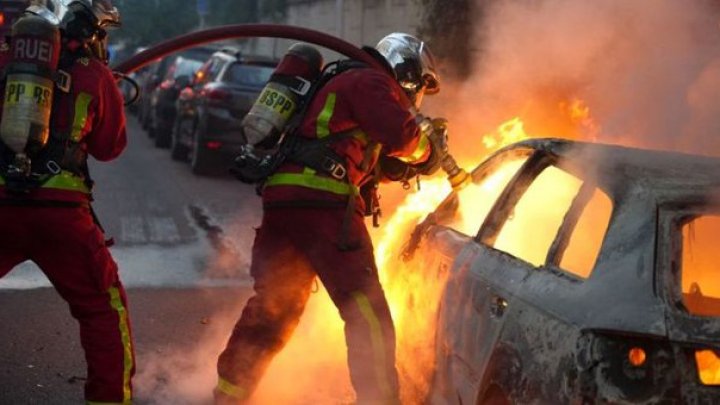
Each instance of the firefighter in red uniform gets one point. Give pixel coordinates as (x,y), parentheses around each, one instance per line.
(45,214)
(313,224)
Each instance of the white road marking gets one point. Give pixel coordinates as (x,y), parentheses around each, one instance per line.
(132,230)
(163,230)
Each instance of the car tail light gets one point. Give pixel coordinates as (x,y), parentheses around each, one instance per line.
(707,364)
(628,367)
(213,145)
(167,84)
(637,356)
(2,19)
(219,95)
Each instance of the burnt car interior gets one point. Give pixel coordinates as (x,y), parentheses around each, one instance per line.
(695,290)
(542,214)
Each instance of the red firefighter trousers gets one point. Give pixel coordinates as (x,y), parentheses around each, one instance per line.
(70,249)
(292,246)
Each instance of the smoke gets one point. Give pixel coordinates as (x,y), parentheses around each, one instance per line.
(647,69)
(310,369)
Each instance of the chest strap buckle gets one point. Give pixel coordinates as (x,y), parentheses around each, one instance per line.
(334,168)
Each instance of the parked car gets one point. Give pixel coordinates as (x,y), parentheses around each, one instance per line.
(163,100)
(155,75)
(10,10)
(207,129)
(579,273)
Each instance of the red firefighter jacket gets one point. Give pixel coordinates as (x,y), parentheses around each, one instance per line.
(93,113)
(363,99)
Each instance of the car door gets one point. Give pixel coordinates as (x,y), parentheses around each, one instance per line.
(518,237)
(470,309)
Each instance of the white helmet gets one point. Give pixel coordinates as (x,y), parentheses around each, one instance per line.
(412,62)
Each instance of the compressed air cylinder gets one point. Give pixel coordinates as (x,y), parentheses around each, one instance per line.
(35,48)
(283,94)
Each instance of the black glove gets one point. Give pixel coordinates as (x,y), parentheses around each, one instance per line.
(394,169)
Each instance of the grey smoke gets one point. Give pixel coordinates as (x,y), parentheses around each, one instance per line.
(648,69)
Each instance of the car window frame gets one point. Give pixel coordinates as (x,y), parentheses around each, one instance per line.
(681,324)
(224,76)
(513,193)
(671,219)
(510,196)
(445,212)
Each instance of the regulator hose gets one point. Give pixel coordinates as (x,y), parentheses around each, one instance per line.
(245,31)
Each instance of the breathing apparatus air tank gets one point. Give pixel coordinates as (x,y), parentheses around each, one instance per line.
(283,94)
(35,53)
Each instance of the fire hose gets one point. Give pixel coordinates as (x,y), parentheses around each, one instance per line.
(456,175)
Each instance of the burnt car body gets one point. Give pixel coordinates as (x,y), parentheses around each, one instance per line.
(605,305)
(210,111)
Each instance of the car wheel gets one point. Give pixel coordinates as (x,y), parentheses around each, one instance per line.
(145,122)
(183,130)
(162,137)
(494,395)
(503,370)
(200,159)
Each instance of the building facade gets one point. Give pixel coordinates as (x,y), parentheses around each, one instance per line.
(361,22)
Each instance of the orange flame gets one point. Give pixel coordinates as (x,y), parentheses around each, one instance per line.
(413,290)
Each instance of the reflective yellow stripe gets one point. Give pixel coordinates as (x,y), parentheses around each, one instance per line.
(226,387)
(323,120)
(362,137)
(419,152)
(82,104)
(67,181)
(312,181)
(117,304)
(377,340)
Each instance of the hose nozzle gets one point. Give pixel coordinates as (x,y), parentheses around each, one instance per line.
(457,176)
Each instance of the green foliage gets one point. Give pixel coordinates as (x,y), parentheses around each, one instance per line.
(149,21)
(448,27)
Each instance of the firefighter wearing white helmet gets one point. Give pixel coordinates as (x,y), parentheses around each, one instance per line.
(313,225)
(413,65)
(45,208)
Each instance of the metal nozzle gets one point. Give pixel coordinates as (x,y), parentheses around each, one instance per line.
(457,176)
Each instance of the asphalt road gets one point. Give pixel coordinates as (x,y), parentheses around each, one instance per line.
(182,244)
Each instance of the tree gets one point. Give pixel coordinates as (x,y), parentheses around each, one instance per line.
(448,27)
(148,21)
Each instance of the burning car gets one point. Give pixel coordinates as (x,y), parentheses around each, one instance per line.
(578,273)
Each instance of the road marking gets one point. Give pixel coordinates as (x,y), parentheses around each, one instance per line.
(132,230)
(163,230)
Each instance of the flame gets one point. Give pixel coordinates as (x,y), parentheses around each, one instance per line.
(579,114)
(508,132)
(413,289)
